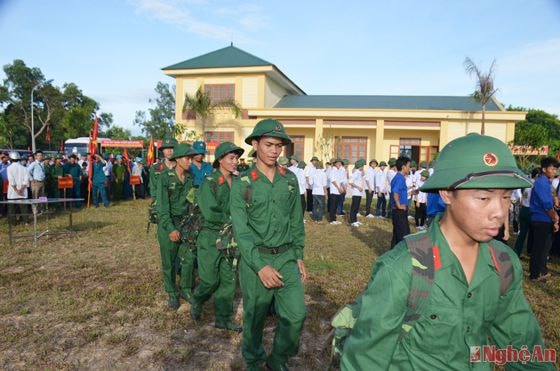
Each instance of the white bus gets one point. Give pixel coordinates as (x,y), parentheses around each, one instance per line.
(79,145)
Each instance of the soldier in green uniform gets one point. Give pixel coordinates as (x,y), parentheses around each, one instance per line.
(166,147)
(468,306)
(55,171)
(242,165)
(119,170)
(268,228)
(217,275)
(172,191)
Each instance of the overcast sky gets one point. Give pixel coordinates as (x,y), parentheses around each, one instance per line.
(114,49)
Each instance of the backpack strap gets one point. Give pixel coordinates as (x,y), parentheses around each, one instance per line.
(504,266)
(425,261)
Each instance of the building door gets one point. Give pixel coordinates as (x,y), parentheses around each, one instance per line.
(410,147)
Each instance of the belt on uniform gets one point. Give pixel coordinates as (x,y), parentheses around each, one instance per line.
(274,250)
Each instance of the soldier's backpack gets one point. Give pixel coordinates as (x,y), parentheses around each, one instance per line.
(192,221)
(425,262)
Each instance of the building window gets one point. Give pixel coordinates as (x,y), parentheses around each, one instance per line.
(219,93)
(351,148)
(213,138)
(296,147)
(412,149)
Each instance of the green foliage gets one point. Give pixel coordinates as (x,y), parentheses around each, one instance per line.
(201,105)
(117,132)
(66,112)
(161,120)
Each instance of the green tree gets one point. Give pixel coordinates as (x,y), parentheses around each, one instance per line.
(200,104)
(161,120)
(484,90)
(117,132)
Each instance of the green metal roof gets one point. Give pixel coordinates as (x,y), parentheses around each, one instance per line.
(229,56)
(384,102)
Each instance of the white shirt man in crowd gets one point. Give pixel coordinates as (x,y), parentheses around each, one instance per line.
(18,181)
(36,174)
(294,168)
(369,177)
(337,188)
(319,193)
(381,188)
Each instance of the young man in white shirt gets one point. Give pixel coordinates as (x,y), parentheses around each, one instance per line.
(319,192)
(357,183)
(294,168)
(369,177)
(381,190)
(337,188)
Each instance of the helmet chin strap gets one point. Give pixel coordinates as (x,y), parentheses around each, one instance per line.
(485,174)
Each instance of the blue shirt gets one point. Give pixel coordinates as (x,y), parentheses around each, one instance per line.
(4,170)
(398,185)
(435,205)
(36,171)
(98,175)
(200,174)
(541,200)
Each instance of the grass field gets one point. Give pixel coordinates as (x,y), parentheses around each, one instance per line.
(94,300)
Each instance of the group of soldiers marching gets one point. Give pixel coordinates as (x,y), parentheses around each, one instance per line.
(261,235)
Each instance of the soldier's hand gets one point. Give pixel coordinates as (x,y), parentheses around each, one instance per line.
(302,271)
(175,236)
(270,277)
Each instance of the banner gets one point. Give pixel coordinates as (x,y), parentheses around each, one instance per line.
(135,180)
(529,151)
(123,143)
(65,182)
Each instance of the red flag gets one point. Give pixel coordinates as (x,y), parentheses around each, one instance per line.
(150,156)
(126,159)
(92,151)
(48,135)
(558,155)
(62,146)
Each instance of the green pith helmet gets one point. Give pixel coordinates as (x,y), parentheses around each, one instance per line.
(168,142)
(412,163)
(182,150)
(423,164)
(392,161)
(301,164)
(294,157)
(269,128)
(425,174)
(476,162)
(345,161)
(314,158)
(382,163)
(223,149)
(282,161)
(359,163)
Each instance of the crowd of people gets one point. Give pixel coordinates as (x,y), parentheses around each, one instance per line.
(231,221)
(39,175)
(257,210)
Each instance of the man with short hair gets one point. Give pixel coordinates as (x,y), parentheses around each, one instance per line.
(544,219)
(399,201)
(268,228)
(337,188)
(18,181)
(36,173)
(98,180)
(357,184)
(309,171)
(73,170)
(446,313)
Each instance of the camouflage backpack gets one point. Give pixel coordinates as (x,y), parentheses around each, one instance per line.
(425,262)
(192,221)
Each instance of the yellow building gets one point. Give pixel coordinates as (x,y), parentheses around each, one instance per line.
(328,126)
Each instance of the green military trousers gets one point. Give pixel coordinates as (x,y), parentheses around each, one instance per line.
(217,276)
(288,303)
(171,252)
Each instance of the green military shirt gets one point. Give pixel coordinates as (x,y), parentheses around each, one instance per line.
(154,173)
(119,171)
(213,200)
(458,315)
(172,199)
(54,173)
(266,214)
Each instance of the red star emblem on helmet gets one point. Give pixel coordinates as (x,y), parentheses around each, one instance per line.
(490,159)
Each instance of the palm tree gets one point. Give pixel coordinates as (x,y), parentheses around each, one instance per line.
(202,106)
(484,86)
